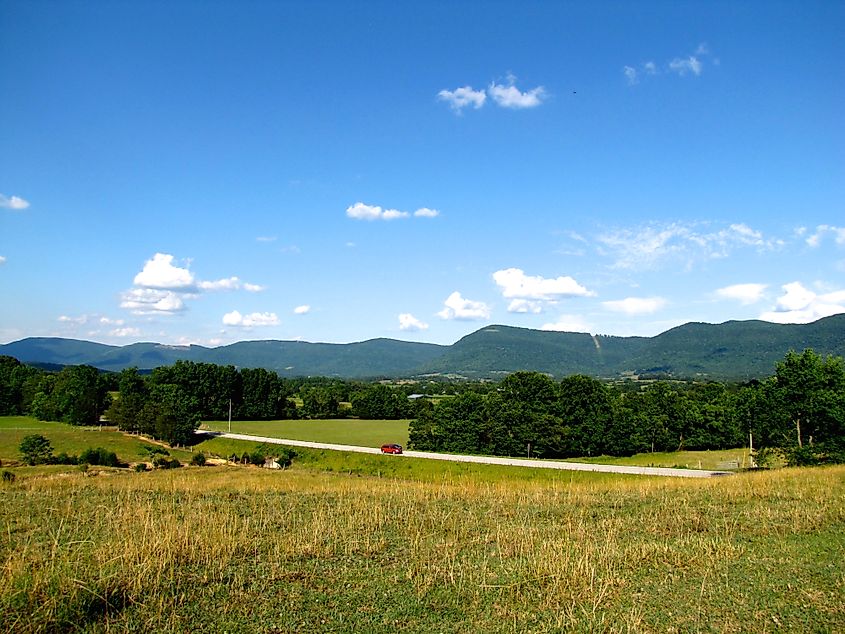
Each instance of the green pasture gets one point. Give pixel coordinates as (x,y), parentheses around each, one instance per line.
(346,431)
(709,460)
(72,439)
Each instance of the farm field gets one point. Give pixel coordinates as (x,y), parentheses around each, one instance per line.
(246,549)
(72,439)
(345,431)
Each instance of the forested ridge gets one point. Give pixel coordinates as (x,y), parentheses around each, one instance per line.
(732,351)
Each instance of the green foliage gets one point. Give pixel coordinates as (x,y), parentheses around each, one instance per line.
(99,457)
(141,467)
(8,477)
(380,402)
(163,462)
(198,460)
(35,449)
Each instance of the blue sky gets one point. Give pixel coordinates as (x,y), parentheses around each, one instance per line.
(209,172)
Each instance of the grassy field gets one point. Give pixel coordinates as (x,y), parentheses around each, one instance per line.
(364,433)
(71,439)
(241,549)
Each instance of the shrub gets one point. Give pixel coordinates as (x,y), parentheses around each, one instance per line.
(152,451)
(245,459)
(198,460)
(64,458)
(140,467)
(257,457)
(35,449)
(8,477)
(161,462)
(99,456)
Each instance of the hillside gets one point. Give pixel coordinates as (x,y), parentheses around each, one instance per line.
(732,350)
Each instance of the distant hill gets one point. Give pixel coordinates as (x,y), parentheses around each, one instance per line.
(367,359)
(732,350)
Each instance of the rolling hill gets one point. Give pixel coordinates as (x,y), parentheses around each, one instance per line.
(734,350)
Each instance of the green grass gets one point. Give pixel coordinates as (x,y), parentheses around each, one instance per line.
(72,439)
(363,433)
(688,459)
(242,549)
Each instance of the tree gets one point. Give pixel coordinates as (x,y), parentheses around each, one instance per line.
(35,449)
(379,402)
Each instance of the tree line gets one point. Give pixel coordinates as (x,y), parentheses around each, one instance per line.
(799,412)
(170,402)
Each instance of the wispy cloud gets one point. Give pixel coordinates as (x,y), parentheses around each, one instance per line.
(636,305)
(568,323)
(14,203)
(456,307)
(302,310)
(149,301)
(235,318)
(410,323)
(361,211)
(681,65)
(800,305)
(838,234)
(2,260)
(649,246)
(745,294)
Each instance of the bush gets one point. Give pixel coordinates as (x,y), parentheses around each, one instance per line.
(35,449)
(257,457)
(161,462)
(152,451)
(99,456)
(245,458)
(64,458)
(8,477)
(198,460)
(140,467)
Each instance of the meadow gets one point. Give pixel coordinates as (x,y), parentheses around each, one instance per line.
(350,543)
(344,431)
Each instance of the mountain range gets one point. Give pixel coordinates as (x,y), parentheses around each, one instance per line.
(734,350)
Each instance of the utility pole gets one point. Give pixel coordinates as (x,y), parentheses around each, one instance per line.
(230,416)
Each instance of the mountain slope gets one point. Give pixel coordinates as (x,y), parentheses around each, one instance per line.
(732,350)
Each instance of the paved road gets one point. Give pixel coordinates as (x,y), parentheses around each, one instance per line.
(513,462)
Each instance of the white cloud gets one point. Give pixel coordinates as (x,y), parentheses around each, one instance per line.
(525,306)
(456,307)
(635,305)
(509,96)
(148,301)
(229,284)
(516,284)
(302,310)
(253,319)
(567,323)
(838,234)
(2,260)
(631,75)
(743,293)
(266,239)
(800,305)
(460,98)
(360,211)
(159,272)
(393,214)
(647,247)
(408,322)
(650,68)
(125,332)
(682,66)
(13,202)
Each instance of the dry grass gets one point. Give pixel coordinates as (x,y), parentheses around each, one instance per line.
(235,549)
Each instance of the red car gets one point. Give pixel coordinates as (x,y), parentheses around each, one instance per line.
(393,448)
